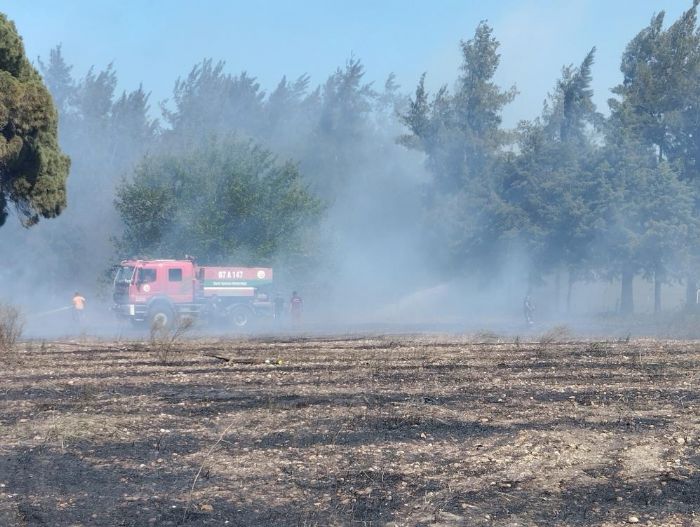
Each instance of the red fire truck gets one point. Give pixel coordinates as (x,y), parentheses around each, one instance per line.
(160,291)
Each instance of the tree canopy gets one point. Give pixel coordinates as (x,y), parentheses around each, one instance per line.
(228,199)
(33,170)
(431,180)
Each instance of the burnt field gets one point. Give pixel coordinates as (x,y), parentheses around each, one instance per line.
(407,430)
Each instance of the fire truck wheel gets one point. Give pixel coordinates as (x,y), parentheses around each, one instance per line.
(162,316)
(241,316)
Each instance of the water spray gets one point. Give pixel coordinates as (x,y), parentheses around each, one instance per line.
(51,312)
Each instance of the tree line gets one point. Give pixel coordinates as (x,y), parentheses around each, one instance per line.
(229,170)
(574,191)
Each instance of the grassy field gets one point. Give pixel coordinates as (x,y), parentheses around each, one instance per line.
(394,430)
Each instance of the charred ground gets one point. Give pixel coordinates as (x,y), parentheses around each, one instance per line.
(406,430)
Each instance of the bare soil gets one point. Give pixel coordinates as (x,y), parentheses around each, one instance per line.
(403,430)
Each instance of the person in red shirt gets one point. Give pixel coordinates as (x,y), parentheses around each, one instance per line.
(296,306)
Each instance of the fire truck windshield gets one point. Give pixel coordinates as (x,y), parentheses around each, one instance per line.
(125,274)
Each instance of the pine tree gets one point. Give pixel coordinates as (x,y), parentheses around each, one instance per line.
(461,135)
(33,170)
(210,101)
(648,215)
(659,103)
(551,179)
(59,80)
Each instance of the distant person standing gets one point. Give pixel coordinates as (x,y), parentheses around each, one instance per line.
(296,306)
(529,310)
(79,307)
(278,303)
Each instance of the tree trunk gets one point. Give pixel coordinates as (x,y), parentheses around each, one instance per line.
(627,292)
(691,291)
(658,278)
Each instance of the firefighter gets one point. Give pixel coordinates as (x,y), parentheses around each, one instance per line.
(279,306)
(296,306)
(528,310)
(78,307)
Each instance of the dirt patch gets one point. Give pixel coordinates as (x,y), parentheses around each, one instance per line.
(400,430)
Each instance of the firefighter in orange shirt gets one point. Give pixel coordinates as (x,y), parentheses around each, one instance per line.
(78,307)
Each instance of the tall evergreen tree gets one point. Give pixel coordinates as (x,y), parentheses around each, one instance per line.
(59,80)
(105,135)
(338,140)
(33,170)
(133,131)
(658,103)
(551,179)
(210,101)
(461,135)
(648,216)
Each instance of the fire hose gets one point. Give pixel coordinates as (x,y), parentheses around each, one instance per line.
(51,312)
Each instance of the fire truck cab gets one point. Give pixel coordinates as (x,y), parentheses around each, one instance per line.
(160,291)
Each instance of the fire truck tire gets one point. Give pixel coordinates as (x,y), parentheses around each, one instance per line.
(241,317)
(161,315)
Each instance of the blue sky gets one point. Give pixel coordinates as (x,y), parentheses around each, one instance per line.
(156,41)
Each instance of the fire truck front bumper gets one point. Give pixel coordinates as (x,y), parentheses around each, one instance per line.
(132,311)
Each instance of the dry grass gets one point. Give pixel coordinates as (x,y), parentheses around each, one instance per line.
(437,430)
(164,340)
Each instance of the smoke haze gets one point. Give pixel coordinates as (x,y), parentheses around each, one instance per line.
(392,246)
